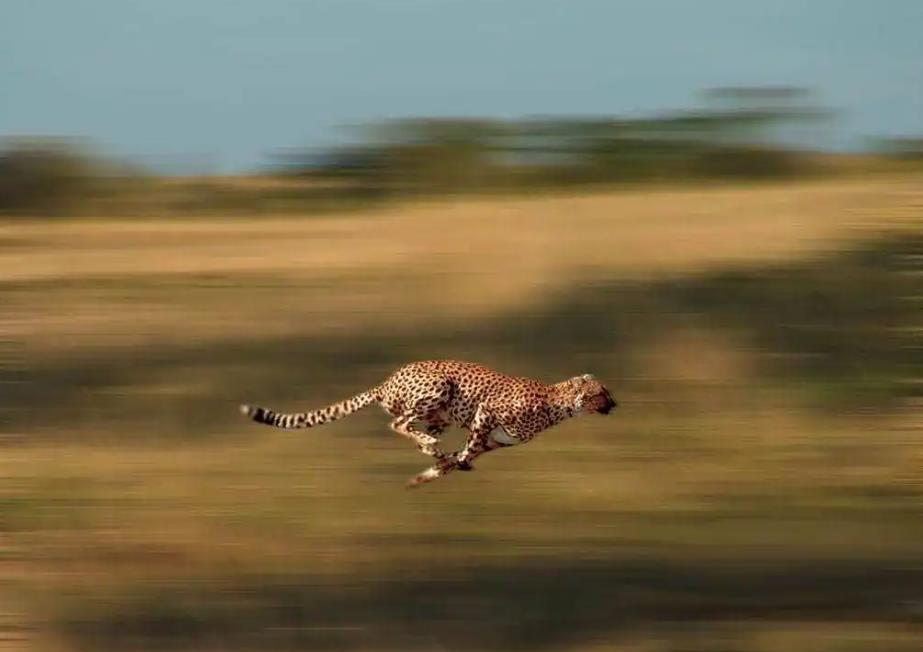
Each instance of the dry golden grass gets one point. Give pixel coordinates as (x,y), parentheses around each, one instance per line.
(405,268)
(698,468)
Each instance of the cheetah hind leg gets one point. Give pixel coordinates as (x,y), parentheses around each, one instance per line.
(427,444)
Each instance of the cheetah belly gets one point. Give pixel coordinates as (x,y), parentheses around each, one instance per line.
(501,436)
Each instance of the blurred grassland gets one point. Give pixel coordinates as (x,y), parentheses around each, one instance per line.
(758,488)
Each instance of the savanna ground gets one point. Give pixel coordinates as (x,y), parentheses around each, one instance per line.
(759,488)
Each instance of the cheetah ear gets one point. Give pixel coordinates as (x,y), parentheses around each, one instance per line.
(588,377)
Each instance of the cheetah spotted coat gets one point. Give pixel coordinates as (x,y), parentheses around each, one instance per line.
(496,409)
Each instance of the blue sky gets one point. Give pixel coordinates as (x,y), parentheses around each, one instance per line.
(225,83)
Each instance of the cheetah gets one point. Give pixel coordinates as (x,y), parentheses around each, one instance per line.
(497,410)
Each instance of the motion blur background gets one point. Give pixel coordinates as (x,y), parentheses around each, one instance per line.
(715,207)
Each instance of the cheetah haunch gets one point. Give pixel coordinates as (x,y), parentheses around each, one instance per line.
(497,410)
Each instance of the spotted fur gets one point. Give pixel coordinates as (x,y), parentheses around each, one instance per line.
(496,409)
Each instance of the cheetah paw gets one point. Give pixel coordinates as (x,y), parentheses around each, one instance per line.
(427,476)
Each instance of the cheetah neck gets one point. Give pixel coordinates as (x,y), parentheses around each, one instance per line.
(562,401)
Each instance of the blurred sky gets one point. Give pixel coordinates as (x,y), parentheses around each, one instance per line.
(224,83)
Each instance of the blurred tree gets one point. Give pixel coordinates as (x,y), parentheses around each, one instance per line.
(735,135)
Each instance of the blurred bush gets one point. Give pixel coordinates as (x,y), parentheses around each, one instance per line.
(46,177)
(751,162)
(907,149)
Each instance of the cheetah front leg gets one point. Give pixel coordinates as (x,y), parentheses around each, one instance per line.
(479,442)
(477,445)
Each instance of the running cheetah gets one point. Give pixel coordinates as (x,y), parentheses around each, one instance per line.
(497,410)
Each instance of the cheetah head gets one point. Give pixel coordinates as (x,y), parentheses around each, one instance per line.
(591,396)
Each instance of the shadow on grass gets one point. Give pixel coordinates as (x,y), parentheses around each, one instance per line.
(844,328)
(542,606)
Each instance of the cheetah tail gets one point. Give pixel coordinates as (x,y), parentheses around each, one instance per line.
(313,418)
